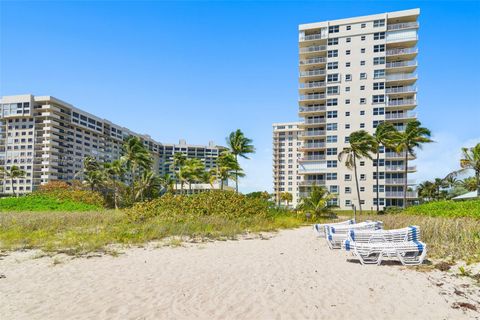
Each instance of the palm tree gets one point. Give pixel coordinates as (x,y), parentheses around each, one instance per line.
(93,179)
(148,185)
(317,201)
(167,183)
(136,157)
(384,134)
(12,174)
(115,171)
(470,184)
(286,196)
(451,181)
(239,146)
(194,171)
(471,161)
(413,137)
(179,159)
(361,145)
(426,190)
(227,168)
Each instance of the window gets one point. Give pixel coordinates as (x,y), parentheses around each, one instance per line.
(363,25)
(348,190)
(362,125)
(363,38)
(363,100)
(363,76)
(376,123)
(348,177)
(381,188)
(362,112)
(347,125)
(331,176)
(347,89)
(349,27)
(333,189)
(362,163)
(332,139)
(378,60)
(332,102)
(349,39)
(362,50)
(347,101)
(333,90)
(332,65)
(362,63)
(379,23)
(347,52)
(378,85)
(332,41)
(379,48)
(332,126)
(378,99)
(333,29)
(363,177)
(362,189)
(348,77)
(347,114)
(348,203)
(379,36)
(378,111)
(332,77)
(331,151)
(331,114)
(331,163)
(378,74)
(332,53)
(347,139)
(362,87)
(347,64)
(381,201)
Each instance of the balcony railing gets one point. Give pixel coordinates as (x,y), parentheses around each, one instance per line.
(313,49)
(308,85)
(400,76)
(311,73)
(313,109)
(313,145)
(399,194)
(400,51)
(312,158)
(312,182)
(316,36)
(404,102)
(315,96)
(399,168)
(397,155)
(313,133)
(399,181)
(400,26)
(403,89)
(314,121)
(400,64)
(313,61)
(404,115)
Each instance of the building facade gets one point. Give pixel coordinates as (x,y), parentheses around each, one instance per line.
(354,74)
(49,138)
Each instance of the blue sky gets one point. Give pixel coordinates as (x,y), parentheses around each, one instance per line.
(199,70)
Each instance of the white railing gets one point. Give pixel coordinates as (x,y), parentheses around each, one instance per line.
(399,168)
(399,194)
(400,51)
(315,96)
(400,76)
(399,181)
(314,121)
(401,89)
(395,155)
(400,64)
(313,109)
(405,115)
(313,145)
(313,61)
(312,182)
(399,26)
(313,49)
(404,102)
(313,133)
(312,158)
(312,73)
(308,85)
(316,36)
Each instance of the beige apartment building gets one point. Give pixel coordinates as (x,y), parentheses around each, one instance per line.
(49,138)
(354,74)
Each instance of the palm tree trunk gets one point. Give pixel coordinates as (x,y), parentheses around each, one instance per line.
(132,176)
(236,175)
(405,183)
(477,176)
(115,191)
(356,181)
(11,184)
(221,184)
(378,198)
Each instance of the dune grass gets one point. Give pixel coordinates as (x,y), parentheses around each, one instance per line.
(447,208)
(40,202)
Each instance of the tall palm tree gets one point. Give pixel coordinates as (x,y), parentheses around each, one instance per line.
(407,141)
(384,136)
(228,168)
(287,197)
(194,169)
(239,146)
(136,158)
(179,159)
(471,161)
(12,174)
(148,185)
(167,183)
(426,191)
(317,201)
(361,145)
(115,171)
(470,184)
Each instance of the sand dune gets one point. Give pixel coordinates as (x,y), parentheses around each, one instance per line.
(292,275)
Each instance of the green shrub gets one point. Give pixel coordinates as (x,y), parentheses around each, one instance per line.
(447,208)
(63,191)
(43,202)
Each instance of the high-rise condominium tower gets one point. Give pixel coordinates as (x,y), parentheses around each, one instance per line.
(354,74)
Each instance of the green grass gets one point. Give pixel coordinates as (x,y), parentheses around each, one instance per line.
(37,202)
(447,208)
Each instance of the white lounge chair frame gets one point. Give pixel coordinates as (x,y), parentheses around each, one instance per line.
(336,235)
(319,228)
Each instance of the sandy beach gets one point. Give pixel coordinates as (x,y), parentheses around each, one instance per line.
(288,275)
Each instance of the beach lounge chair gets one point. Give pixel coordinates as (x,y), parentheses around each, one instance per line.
(371,246)
(320,228)
(336,235)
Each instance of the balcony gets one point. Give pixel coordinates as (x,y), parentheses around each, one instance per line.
(311,97)
(401,90)
(402,26)
(312,134)
(401,66)
(400,77)
(312,37)
(400,116)
(313,61)
(402,103)
(309,183)
(395,155)
(399,181)
(399,194)
(312,110)
(312,73)
(312,85)
(312,122)
(313,145)
(404,53)
(312,49)
(400,168)
(313,158)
